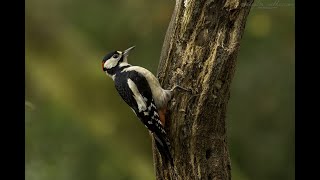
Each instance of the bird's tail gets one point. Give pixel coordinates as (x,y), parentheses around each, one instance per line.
(163,145)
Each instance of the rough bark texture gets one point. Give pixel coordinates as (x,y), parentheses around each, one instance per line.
(199,52)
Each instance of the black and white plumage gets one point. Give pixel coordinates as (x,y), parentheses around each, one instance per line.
(141,90)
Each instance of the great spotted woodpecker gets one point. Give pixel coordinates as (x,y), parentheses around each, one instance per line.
(141,90)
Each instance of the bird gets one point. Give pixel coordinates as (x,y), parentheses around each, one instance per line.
(141,90)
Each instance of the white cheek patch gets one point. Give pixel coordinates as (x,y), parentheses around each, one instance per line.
(111,63)
(137,96)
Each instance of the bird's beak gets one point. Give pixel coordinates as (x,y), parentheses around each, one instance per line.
(126,52)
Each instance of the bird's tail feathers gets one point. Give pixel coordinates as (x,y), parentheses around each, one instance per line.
(163,145)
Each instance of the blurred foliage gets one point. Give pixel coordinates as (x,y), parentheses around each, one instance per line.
(77,127)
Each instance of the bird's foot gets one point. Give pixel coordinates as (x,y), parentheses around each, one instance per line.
(182,88)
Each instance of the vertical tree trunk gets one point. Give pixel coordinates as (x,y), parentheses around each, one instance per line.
(199,52)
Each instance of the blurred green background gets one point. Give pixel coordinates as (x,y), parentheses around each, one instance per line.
(78,128)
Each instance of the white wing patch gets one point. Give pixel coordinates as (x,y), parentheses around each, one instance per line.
(142,106)
(158,93)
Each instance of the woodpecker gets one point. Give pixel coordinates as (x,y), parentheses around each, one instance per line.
(141,90)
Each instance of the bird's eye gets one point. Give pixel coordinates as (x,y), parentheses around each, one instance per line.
(115,56)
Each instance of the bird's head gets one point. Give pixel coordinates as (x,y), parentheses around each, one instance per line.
(115,59)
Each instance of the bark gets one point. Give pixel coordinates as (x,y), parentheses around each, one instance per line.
(199,52)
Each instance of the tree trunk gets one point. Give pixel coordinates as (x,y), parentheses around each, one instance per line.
(199,52)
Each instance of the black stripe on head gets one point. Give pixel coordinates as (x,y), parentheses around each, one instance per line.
(109,55)
(113,70)
(106,57)
(121,59)
(124,67)
(116,68)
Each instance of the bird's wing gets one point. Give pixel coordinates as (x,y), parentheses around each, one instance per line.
(137,94)
(135,91)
